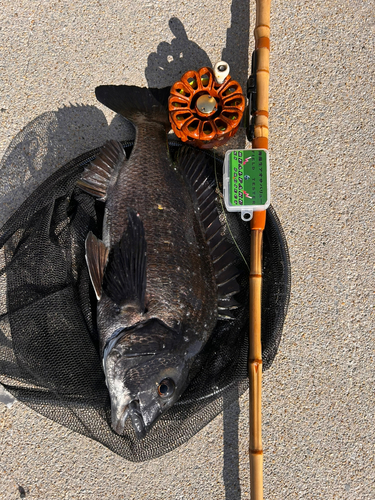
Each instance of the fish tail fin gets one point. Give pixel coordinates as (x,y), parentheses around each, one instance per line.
(135,103)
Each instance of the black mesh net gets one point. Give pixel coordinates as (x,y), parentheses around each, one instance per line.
(49,356)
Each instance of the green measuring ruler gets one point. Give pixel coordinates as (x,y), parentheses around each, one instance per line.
(246,181)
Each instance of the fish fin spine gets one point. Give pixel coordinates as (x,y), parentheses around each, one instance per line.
(99,173)
(194,167)
(96,258)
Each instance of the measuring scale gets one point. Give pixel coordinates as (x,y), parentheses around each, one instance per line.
(246,181)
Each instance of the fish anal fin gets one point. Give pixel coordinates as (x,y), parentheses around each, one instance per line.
(96,258)
(97,175)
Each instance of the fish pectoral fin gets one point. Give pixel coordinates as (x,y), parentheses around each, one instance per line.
(125,275)
(96,258)
(97,175)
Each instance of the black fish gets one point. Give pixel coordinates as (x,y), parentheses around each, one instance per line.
(163,272)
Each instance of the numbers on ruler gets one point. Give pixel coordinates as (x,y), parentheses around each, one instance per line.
(238,178)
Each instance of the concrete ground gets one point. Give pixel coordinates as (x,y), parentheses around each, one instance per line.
(318,397)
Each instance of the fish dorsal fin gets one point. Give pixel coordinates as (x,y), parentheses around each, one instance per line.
(136,103)
(125,274)
(194,166)
(96,258)
(96,177)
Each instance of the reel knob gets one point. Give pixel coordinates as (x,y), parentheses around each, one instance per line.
(221,71)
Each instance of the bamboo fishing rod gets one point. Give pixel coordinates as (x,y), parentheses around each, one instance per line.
(257,224)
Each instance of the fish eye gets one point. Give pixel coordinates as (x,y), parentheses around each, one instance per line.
(166,388)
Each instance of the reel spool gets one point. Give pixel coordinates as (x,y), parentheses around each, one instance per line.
(206,106)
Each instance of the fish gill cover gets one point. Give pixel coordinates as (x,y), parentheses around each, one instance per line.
(49,345)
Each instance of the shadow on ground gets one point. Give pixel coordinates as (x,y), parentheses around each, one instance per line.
(48,142)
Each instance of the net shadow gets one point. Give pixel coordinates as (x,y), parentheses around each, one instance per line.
(53,365)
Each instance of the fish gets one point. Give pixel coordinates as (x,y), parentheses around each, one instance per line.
(162,270)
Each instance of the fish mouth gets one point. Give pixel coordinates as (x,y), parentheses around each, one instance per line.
(133,411)
(137,419)
(118,422)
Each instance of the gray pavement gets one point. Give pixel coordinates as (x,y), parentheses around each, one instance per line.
(318,397)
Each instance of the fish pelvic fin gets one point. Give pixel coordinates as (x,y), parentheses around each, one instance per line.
(194,167)
(97,175)
(136,103)
(125,275)
(96,258)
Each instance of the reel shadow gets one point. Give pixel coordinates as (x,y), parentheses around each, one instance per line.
(172,60)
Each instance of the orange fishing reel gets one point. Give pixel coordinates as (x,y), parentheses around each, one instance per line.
(206,106)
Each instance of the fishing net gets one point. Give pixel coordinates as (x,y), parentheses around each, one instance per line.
(49,356)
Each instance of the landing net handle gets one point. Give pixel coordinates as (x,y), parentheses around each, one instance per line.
(259,140)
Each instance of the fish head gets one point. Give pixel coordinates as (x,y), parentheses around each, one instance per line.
(146,373)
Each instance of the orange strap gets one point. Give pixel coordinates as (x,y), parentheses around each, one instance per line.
(259,220)
(263,42)
(260,143)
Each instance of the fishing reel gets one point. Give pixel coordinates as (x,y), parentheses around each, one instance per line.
(206,106)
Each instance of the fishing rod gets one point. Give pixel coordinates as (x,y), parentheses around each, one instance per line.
(247,189)
(259,122)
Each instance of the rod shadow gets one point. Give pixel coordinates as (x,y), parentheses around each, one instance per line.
(231,449)
(166,66)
